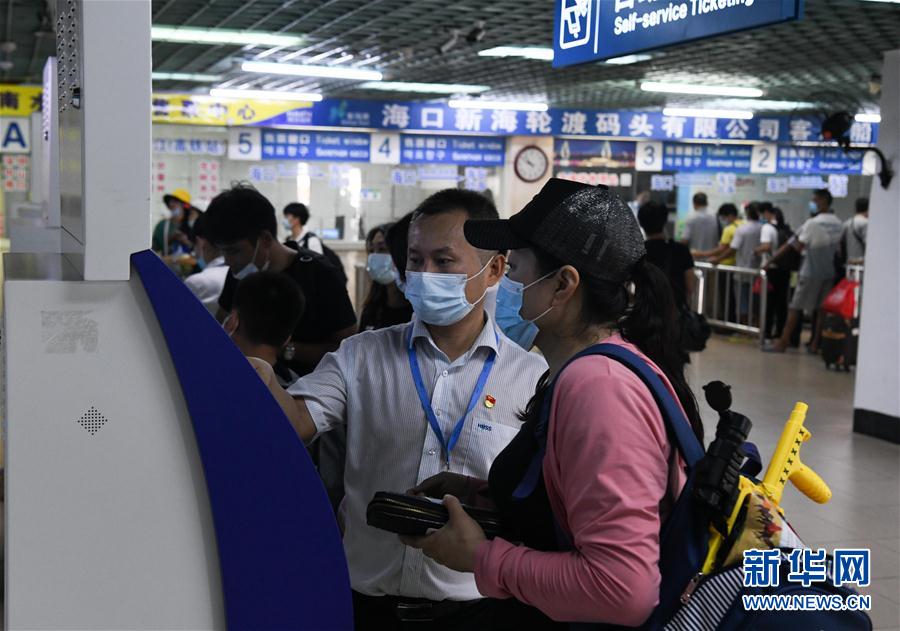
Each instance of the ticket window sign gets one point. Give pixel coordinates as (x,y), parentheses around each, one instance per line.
(592,30)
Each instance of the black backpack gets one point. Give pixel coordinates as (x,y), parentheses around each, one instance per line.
(327,252)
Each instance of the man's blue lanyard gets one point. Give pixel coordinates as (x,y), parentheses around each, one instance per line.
(447,445)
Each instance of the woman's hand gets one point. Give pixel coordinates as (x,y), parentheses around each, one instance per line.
(444,483)
(455,545)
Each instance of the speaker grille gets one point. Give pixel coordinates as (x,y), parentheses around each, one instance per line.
(92,421)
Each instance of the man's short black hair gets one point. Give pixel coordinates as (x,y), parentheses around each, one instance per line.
(397,238)
(766,207)
(700,199)
(298,210)
(653,217)
(269,305)
(752,211)
(240,213)
(475,205)
(728,210)
(200,227)
(862,205)
(825,194)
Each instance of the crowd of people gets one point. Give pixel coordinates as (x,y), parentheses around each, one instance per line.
(436,390)
(759,238)
(460,360)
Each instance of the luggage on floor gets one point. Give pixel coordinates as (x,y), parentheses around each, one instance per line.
(840,341)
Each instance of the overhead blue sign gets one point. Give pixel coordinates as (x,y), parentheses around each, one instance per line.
(824,160)
(460,150)
(439,118)
(705,158)
(590,30)
(314,145)
(693,157)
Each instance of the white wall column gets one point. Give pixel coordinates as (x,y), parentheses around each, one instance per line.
(877,400)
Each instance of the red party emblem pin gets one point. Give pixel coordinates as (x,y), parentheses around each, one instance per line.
(489,401)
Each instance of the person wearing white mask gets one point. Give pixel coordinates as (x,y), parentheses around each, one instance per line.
(241,223)
(385,304)
(441,393)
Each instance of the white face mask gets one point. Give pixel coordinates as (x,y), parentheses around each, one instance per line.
(380,268)
(440,299)
(250,268)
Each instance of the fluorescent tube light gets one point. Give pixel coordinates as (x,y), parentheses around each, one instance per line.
(190,35)
(688,88)
(628,59)
(264,95)
(472,104)
(528,52)
(427,88)
(301,70)
(698,112)
(185,76)
(868,118)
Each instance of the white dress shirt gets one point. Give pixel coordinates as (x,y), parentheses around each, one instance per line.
(367,384)
(208,283)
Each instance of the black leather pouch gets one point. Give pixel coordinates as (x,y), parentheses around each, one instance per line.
(413,515)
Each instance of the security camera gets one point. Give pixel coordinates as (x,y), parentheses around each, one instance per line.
(449,44)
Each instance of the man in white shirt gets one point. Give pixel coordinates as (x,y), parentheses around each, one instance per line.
(403,393)
(701,228)
(296,216)
(768,236)
(853,237)
(743,248)
(818,240)
(207,284)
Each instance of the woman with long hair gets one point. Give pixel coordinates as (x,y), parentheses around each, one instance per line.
(609,473)
(385,305)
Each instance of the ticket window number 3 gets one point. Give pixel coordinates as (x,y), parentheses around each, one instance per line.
(649,156)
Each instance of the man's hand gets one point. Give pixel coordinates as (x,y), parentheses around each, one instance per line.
(446,483)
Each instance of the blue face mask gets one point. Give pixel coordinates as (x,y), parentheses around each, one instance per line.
(380,268)
(440,299)
(401,284)
(201,263)
(813,207)
(509,307)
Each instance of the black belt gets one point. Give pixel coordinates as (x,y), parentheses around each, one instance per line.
(421,609)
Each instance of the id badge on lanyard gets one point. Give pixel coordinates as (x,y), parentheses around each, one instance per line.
(447,443)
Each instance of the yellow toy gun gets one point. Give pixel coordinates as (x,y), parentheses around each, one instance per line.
(729,493)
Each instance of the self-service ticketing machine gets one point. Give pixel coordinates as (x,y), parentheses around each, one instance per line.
(151,480)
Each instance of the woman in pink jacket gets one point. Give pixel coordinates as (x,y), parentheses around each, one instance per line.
(577,276)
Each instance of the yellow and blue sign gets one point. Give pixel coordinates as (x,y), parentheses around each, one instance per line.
(197,109)
(591,30)
(19,100)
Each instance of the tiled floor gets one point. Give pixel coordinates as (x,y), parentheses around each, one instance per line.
(863,472)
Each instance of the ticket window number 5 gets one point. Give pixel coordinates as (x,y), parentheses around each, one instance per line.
(244,144)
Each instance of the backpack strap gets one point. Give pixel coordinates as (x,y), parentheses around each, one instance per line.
(677,426)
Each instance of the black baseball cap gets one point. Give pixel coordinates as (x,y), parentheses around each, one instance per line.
(586,226)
